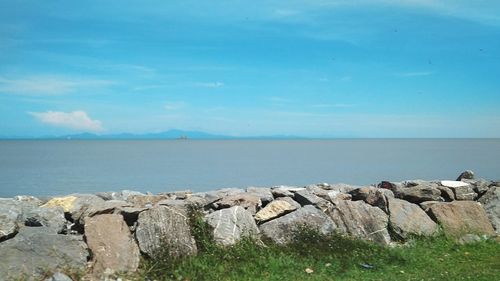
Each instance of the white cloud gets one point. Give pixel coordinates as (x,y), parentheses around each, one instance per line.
(415,73)
(76,120)
(47,85)
(174,105)
(210,84)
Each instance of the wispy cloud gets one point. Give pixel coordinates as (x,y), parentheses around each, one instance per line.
(174,105)
(209,84)
(47,85)
(330,105)
(414,73)
(75,120)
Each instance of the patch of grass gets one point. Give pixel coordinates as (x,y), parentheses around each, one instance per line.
(330,257)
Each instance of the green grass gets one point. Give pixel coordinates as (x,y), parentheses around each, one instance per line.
(331,258)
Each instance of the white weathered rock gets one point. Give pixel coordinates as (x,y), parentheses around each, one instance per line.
(454,184)
(231,225)
(165,228)
(112,245)
(283,229)
(360,220)
(8,227)
(408,219)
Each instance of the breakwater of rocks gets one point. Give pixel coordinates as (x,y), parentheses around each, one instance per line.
(107,233)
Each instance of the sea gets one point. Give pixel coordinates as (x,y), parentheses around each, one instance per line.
(59,167)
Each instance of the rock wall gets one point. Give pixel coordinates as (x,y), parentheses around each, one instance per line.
(107,233)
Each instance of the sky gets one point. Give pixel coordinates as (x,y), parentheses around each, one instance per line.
(313,68)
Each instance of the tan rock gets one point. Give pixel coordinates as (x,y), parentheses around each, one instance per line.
(113,246)
(66,203)
(248,201)
(407,219)
(274,209)
(461,217)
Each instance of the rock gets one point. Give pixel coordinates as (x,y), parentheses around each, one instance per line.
(491,204)
(461,217)
(162,229)
(480,185)
(372,195)
(454,184)
(446,193)
(146,201)
(469,239)
(231,225)
(342,187)
(468,175)
(75,205)
(427,204)
(213,196)
(112,245)
(178,204)
(275,209)
(360,220)
(121,195)
(28,199)
(305,197)
(263,193)
(36,250)
(462,190)
(419,193)
(58,276)
(178,195)
(283,229)
(14,209)
(335,196)
(246,200)
(407,219)
(8,227)
(52,218)
(285,191)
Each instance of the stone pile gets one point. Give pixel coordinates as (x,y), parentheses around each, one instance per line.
(106,233)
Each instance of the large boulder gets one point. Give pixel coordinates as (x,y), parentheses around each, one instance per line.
(75,205)
(248,201)
(372,195)
(112,245)
(264,193)
(37,250)
(8,227)
(407,219)
(52,218)
(360,220)
(285,191)
(276,208)
(305,197)
(417,192)
(163,228)
(231,225)
(462,190)
(491,204)
(461,217)
(282,230)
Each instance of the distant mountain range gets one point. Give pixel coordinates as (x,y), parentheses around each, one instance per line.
(167,135)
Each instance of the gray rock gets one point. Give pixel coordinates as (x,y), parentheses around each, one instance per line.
(178,195)
(468,175)
(464,193)
(283,229)
(112,245)
(305,197)
(213,196)
(36,250)
(491,204)
(342,187)
(164,228)
(121,195)
(52,218)
(28,199)
(469,239)
(480,185)
(75,205)
(263,193)
(248,201)
(58,276)
(446,193)
(461,217)
(14,209)
(418,193)
(285,191)
(231,225)
(360,220)
(8,227)
(374,196)
(408,219)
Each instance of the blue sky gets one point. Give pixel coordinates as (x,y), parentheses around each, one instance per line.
(376,68)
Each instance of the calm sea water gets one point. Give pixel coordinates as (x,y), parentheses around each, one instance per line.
(62,167)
